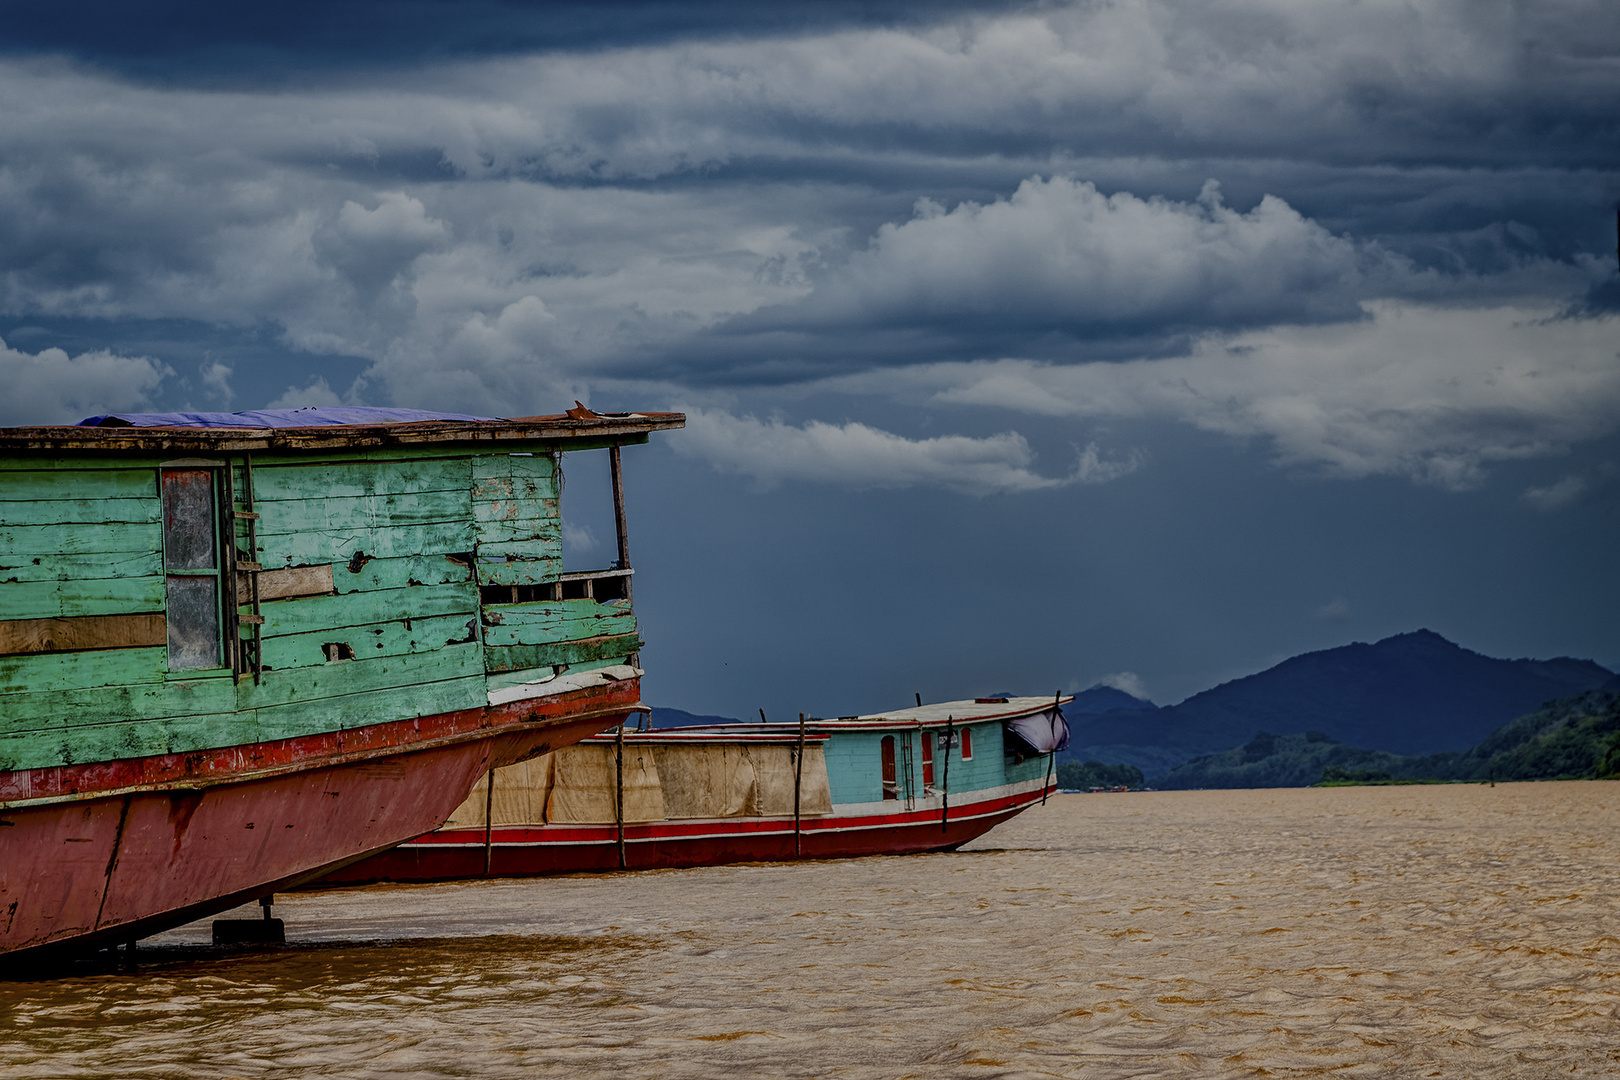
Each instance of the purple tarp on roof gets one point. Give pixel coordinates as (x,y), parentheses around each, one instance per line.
(313,416)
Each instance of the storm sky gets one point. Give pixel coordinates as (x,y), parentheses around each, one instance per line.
(1025,346)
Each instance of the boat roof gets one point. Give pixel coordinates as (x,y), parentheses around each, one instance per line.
(936,714)
(966,710)
(327,428)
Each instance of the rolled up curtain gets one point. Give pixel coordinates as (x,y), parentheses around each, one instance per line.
(1043,732)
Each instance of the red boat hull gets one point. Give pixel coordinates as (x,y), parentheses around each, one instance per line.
(455,854)
(113,852)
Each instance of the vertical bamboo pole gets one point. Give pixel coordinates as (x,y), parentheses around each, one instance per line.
(618,802)
(798,781)
(619,524)
(1051,756)
(489,818)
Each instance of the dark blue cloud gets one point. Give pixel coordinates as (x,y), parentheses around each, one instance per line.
(197,41)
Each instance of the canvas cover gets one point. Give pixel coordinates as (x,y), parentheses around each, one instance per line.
(705,781)
(521,792)
(661,782)
(1043,732)
(584,786)
(773,781)
(729,780)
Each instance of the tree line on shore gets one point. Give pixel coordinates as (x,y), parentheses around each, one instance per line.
(1086,775)
(1571,738)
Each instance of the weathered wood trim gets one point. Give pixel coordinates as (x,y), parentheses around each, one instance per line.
(511,658)
(561,430)
(289,582)
(79,633)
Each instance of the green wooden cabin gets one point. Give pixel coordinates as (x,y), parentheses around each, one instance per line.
(164,590)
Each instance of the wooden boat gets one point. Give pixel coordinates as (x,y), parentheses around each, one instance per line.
(238,651)
(928,778)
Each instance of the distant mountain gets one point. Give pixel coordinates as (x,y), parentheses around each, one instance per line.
(1571,738)
(1414,693)
(667,718)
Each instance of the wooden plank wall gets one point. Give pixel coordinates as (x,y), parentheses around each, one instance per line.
(380,552)
(385,541)
(517,519)
(517,510)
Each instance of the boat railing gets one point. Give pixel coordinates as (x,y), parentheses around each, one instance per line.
(611,584)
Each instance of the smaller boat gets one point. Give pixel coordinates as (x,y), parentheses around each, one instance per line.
(928,778)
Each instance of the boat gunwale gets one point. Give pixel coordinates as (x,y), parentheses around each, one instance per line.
(496,727)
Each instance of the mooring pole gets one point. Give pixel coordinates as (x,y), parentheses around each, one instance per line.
(618,802)
(489,819)
(945,781)
(798,782)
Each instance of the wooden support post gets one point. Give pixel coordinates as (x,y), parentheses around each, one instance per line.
(618,510)
(1051,756)
(618,802)
(798,784)
(489,820)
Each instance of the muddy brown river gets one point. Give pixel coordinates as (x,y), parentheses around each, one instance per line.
(1456,931)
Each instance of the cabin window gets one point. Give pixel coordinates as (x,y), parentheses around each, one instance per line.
(928,759)
(891,779)
(191,567)
(967,744)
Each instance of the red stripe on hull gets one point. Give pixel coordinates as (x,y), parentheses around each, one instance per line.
(149,850)
(457,854)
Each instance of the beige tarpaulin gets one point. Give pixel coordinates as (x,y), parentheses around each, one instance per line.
(720,780)
(519,797)
(521,791)
(583,785)
(705,781)
(816,796)
(577,785)
(773,782)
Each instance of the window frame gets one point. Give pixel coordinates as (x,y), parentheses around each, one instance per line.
(220,572)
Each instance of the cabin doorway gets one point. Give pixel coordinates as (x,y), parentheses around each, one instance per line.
(891,776)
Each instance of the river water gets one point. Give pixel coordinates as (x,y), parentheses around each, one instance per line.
(1458,931)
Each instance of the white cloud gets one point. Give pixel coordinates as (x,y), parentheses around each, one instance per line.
(1558,495)
(1127,681)
(216,376)
(857,456)
(578,538)
(51,387)
(317,393)
(1060,253)
(1434,394)
(371,248)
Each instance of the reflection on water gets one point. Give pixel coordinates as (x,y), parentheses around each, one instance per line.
(1449,931)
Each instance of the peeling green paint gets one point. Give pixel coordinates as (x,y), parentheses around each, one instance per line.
(410,534)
